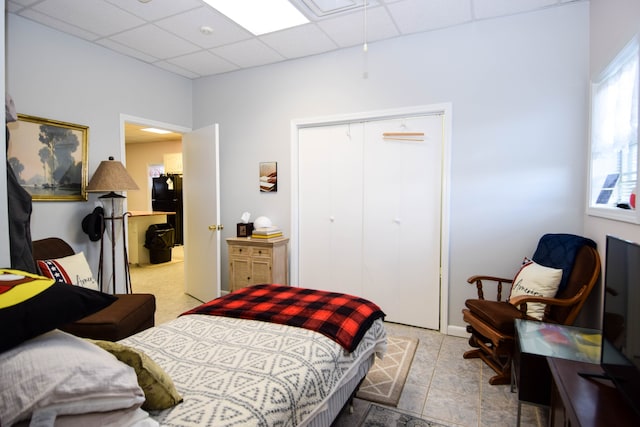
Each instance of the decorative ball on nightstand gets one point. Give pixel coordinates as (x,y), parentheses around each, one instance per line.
(261,222)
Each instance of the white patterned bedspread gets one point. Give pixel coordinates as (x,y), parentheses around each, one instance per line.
(236,372)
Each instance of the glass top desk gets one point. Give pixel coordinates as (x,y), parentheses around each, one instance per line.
(535,341)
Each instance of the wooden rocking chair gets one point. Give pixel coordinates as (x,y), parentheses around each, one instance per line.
(491,323)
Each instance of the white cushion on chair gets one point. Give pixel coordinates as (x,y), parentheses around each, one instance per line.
(536,280)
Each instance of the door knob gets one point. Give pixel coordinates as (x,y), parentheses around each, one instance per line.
(215,227)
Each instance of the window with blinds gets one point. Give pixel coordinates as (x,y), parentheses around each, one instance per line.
(614,136)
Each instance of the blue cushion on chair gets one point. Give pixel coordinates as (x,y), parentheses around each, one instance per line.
(559,251)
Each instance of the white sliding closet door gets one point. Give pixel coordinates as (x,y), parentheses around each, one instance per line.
(402,205)
(330,206)
(369,213)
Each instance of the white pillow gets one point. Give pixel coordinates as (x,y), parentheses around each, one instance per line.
(72,269)
(536,280)
(58,374)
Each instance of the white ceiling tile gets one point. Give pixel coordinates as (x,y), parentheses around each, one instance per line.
(95,16)
(156,9)
(413,16)
(58,25)
(248,53)
(22,3)
(176,70)
(348,30)
(12,7)
(203,63)
(491,8)
(299,41)
(187,25)
(155,41)
(125,50)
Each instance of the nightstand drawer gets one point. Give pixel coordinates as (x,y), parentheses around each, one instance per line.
(240,250)
(266,252)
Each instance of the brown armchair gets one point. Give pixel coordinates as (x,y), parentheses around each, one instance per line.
(129,314)
(491,323)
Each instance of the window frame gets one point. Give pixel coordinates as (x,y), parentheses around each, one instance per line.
(612,212)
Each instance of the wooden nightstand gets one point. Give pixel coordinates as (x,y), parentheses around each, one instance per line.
(255,261)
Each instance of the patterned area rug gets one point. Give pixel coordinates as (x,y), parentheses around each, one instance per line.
(386,378)
(378,416)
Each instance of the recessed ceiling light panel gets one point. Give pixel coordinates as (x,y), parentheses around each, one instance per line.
(158,131)
(260,16)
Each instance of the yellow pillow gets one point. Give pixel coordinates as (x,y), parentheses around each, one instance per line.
(159,390)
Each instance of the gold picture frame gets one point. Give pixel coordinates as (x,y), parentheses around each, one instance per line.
(49,158)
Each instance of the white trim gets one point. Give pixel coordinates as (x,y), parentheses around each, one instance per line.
(458,331)
(446,110)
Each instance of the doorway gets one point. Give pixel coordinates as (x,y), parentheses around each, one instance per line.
(201,204)
(359,229)
(144,157)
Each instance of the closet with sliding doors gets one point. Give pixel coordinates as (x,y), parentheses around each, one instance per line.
(369,212)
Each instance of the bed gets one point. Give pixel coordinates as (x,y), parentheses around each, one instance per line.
(235,363)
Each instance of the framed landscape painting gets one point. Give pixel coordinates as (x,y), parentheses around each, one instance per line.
(49,158)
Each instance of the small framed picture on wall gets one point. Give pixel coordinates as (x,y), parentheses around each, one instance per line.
(268,177)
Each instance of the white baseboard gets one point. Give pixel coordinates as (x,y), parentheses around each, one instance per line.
(458,331)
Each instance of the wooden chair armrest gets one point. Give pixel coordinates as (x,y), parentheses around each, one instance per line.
(522,300)
(477,280)
(474,279)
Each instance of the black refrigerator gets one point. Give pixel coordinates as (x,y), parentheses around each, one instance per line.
(166,196)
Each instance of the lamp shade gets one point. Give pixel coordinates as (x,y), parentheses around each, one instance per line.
(111,176)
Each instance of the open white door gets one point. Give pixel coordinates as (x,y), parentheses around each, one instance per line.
(201,213)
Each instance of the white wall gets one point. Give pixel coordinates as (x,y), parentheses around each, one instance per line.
(612,23)
(519,89)
(55,76)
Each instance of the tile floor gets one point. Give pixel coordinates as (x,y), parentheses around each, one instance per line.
(441,386)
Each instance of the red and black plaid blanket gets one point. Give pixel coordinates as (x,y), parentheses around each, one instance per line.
(341,317)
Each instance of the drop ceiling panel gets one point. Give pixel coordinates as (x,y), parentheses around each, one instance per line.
(125,50)
(203,63)
(248,53)
(187,26)
(161,8)
(95,16)
(176,70)
(299,41)
(348,30)
(155,41)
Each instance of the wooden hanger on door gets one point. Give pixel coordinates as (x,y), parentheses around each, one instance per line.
(404,136)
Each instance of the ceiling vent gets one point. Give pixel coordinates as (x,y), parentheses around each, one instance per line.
(320,9)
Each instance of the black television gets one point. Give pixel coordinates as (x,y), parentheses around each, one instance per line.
(620,356)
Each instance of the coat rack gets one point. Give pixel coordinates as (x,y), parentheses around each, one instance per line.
(111,176)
